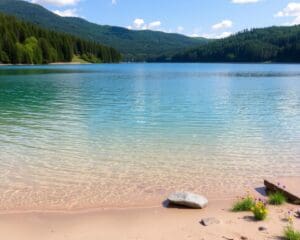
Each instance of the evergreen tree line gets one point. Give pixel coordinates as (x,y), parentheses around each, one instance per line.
(25,43)
(274,44)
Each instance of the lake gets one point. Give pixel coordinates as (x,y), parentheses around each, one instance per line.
(106,136)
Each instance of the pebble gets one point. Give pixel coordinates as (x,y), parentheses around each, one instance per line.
(209,221)
(262,228)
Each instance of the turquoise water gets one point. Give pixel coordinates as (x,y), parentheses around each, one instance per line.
(90,136)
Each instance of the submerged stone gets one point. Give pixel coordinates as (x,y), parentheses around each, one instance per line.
(187,199)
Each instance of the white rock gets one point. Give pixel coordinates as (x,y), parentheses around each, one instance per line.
(188,200)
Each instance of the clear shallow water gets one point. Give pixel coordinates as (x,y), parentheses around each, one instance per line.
(78,137)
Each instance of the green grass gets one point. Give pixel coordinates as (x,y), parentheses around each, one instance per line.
(244,205)
(291,234)
(277,198)
(77,59)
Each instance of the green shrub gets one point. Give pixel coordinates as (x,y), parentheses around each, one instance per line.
(260,210)
(244,205)
(277,198)
(291,234)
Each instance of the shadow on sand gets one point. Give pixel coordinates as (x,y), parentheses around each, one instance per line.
(262,191)
(168,204)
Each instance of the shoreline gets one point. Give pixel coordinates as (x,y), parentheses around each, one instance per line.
(70,63)
(87,63)
(255,190)
(99,209)
(49,64)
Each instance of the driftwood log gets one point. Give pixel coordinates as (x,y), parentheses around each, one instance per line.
(291,196)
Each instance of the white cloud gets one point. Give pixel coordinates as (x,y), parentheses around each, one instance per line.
(140,24)
(223,25)
(56,2)
(195,35)
(67,12)
(296,21)
(154,25)
(180,29)
(214,36)
(291,10)
(224,35)
(113,2)
(244,1)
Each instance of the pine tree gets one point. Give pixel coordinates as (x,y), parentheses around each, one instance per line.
(26,43)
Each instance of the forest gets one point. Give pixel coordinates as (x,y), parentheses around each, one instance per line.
(26,43)
(135,46)
(273,44)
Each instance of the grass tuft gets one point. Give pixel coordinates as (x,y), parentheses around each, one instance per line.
(78,59)
(277,198)
(291,234)
(246,204)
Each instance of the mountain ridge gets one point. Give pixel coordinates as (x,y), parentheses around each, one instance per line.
(134,45)
(270,44)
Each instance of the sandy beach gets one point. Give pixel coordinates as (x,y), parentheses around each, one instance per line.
(158,222)
(144,224)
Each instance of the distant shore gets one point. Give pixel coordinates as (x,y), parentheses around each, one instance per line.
(55,63)
(70,63)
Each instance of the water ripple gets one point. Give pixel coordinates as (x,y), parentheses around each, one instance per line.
(118,135)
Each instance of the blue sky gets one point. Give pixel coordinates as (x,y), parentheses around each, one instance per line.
(211,18)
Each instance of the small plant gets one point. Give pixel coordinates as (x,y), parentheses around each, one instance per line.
(291,234)
(260,210)
(243,205)
(277,198)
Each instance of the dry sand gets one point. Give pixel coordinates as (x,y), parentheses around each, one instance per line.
(144,224)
